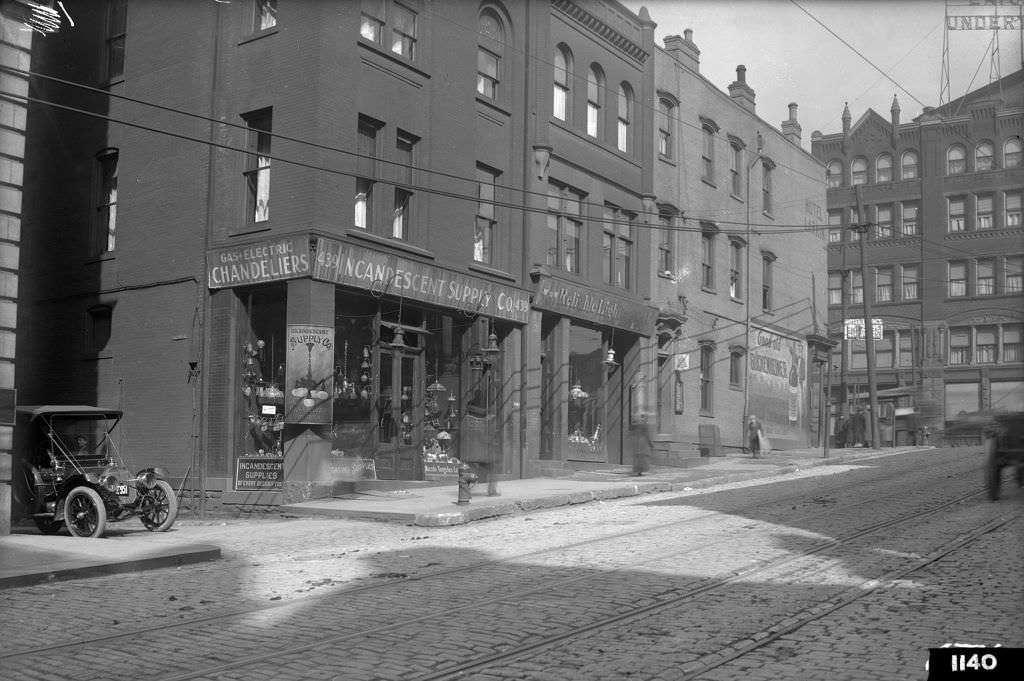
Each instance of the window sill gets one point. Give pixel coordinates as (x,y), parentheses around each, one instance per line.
(767,214)
(483,268)
(667,274)
(252,229)
(389,242)
(707,412)
(708,289)
(376,49)
(101,258)
(667,159)
(499,105)
(736,196)
(256,35)
(709,183)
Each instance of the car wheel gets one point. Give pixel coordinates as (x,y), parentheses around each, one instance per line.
(84,513)
(159,507)
(49,525)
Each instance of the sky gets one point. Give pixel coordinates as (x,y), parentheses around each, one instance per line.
(791,58)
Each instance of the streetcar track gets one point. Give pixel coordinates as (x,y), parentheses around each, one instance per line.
(562,548)
(348,592)
(707,585)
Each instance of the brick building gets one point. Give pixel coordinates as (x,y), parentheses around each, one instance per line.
(739,264)
(322,238)
(941,195)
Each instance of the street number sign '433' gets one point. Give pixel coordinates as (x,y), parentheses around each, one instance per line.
(853,329)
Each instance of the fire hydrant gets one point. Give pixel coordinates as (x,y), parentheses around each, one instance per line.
(467,478)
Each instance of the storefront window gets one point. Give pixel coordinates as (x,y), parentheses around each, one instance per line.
(586,408)
(263,350)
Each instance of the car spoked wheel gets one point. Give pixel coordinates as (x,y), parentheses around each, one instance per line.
(159,507)
(84,513)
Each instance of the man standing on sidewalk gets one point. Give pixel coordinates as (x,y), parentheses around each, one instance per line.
(754,435)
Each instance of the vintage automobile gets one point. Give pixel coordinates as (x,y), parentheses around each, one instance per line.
(68,472)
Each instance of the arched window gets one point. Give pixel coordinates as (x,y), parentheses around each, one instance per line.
(1012,153)
(883,168)
(859,171)
(983,156)
(490,52)
(625,117)
(956,163)
(908,165)
(595,99)
(834,174)
(563,67)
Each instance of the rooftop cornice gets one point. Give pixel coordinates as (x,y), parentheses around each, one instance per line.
(601,29)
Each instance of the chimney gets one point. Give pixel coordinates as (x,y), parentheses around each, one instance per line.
(895,118)
(683,50)
(791,129)
(740,92)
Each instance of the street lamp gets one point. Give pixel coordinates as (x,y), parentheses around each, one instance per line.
(481,362)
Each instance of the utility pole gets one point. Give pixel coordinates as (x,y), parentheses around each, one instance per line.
(862,228)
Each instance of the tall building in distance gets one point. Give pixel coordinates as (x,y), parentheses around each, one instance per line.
(321,242)
(940,196)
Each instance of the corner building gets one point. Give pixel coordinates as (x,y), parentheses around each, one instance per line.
(352,240)
(940,196)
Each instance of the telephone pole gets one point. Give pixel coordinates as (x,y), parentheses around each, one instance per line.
(861,228)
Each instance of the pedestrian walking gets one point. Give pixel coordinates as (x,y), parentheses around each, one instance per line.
(755,435)
(858,428)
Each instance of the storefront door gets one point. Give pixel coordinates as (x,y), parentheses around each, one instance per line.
(399,415)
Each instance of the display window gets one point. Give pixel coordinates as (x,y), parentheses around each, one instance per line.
(586,394)
(263,348)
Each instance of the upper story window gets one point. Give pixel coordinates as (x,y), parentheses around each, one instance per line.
(617,246)
(835,226)
(666,123)
(366,146)
(908,165)
(257,173)
(1013,274)
(957,278)
(859,171)
(960,345)
(402,213)
(707,244)
(767,281)
(956,160)
(666,245)
(883,222)
(983,156)
(737,251)
(265,15)
(956,214)
(101,319)
(909,218)
(707,376)
(486,222)
(834,174)
(883,285)
(1011,209)
(625,117)
(708,130)
(1012,153)
(767,166)
(985,277)
(377,15)
(909,276)
(856,288)
(736,167)
(117,21)
(883,168)
(565,228)
(489,54)
(371,22)
(563,67)
(106,203)
(983,212)
(595,100)
(835,288)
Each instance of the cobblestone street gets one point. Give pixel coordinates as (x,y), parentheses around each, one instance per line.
(840,572)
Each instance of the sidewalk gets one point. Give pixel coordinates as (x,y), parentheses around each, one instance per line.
(27,557)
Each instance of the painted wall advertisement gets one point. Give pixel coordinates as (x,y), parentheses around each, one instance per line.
(309,382)
(778,383)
